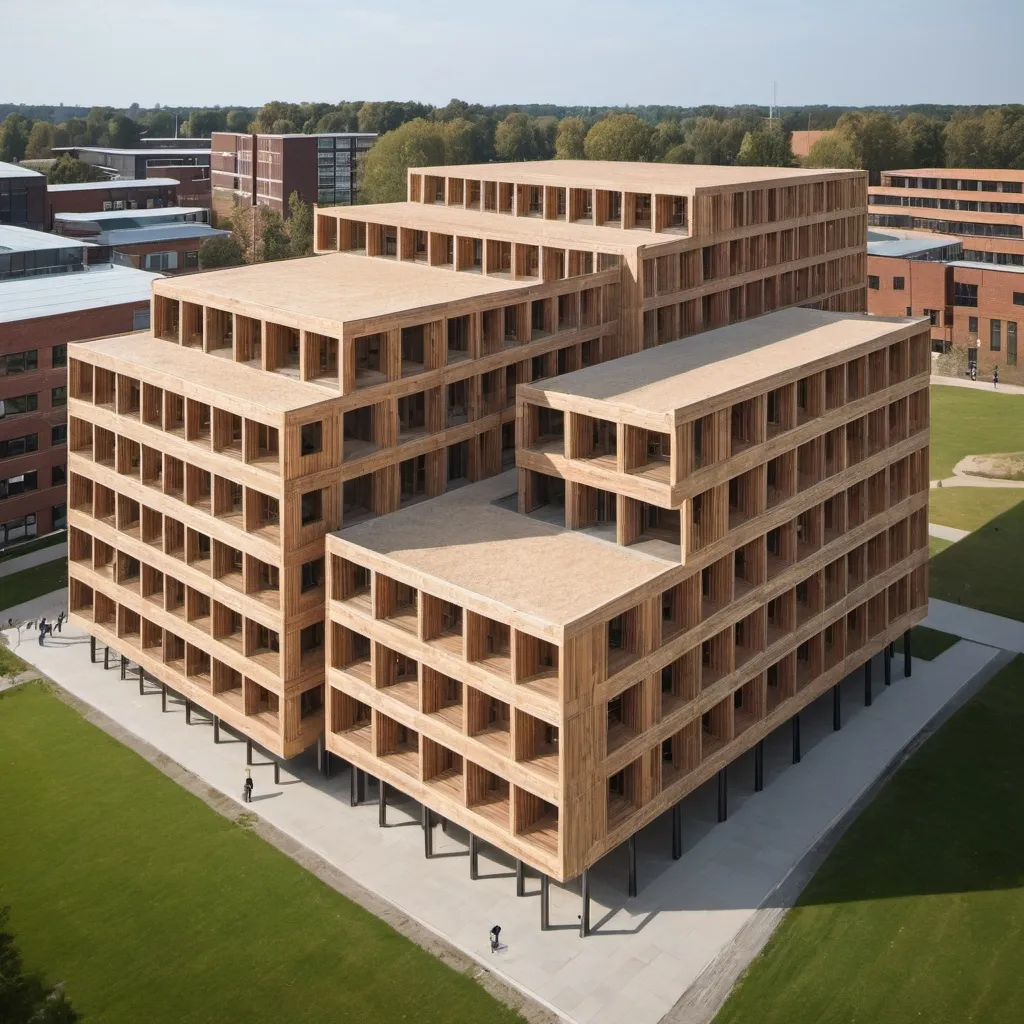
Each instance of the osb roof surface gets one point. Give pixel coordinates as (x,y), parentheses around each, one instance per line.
(969,173)
(530,568)
(671,377)
(332,289)
(674,179)
(142,354)
(457,220)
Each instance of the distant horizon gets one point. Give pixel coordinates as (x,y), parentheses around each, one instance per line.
(565,52)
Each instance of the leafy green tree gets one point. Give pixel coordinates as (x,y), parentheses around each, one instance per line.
(283,126)
(338,121)
(768,145)
(569,137)
(274,243)
(967,144)
(712,141)
(876,140)
(14,133)
(517,138)
(159,125)
(300,226)
(832,150)
(417,143)
(453,110)
(237,121)
(667,134)
(122,132)
(922,140)
(389,115)
(620,137)
(222,251)
(24,998)
(201,124)
(40,141)
(465,142)
(66,170)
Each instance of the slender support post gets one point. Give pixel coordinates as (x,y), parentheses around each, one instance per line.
(248,752)
(867,683)
(328,763)
(520,878)
(631,848)
(360,786)
(277,773)
(585,901)
(320,762)
(124,667)
(353,789)
(759,766)
(92,650)
(216,729)
(188,711)
(474,857)
(142,681)
(677,832)
(906,654)
(545,885)
(892,648)
(723,794)
(163,696)
(428,832)
(887,663)
(795,727)
(382,804)
(837,709)
(106,657)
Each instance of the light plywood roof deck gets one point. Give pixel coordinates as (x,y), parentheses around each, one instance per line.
(532,571)
(199,375)
(672,179)
(662,381)
(322,291)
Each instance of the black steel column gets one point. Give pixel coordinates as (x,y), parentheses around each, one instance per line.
(892,648)
(163,696)
(887,663)
(328,763)
(188,711)
(142,681)
(759,766)
(248,752)
(631,850)
(92,650)
(906,654)
(360,786)
(520,878)
(867,683)
(585,904)
(545,885)
(428,832)
(382,804)
(353,790)
(677,832)
(474,857)
(124,667)
(277,772)
(320,755)
(106,657)
(837,709)
(795,729)
(216,729)
(723,794)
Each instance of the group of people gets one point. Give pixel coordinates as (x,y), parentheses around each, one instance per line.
(995,374)
(46,628)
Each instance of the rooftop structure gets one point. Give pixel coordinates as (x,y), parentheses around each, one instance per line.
(133,163)
(9,170)
(105,186)
(22,196)
(913,245)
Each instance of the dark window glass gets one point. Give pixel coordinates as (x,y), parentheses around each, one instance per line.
(965,294)
(1018,298)
(60,355)
(58,475)
(972,324)
(312,438)
(873,281)
(59,434)
(312,507)
(59,396)
(995,335)
(898,284)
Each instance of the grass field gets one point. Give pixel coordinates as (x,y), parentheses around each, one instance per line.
(151,907)
(967,422)
(927,644)
(918,913)
(17,550)
(968,508)
(34,582)
(937,545)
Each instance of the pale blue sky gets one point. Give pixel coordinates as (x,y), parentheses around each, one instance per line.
(593,52)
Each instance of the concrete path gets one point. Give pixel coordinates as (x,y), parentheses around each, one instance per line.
(646,952)
(950,533)
(971,624)
(978,385)
(33,558)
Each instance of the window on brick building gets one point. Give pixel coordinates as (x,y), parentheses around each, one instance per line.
(933,316)
(1018,298)
(965,294)
(972,325)
(1011,342)
(995,335)
(898,284)
(873,281)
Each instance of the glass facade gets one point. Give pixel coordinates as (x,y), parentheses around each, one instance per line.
(337,157)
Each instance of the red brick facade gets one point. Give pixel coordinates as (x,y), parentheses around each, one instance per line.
(91,200)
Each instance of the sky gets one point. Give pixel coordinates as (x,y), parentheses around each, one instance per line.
(573,52)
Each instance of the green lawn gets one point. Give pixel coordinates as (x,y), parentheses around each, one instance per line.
(152,907)
(937,545)
(34,582)
(927,644)
(918,913)
(968,508)
(967,422)
(17,550)
(10,663)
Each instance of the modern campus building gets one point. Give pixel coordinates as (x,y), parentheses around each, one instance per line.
(22,197)
(140,162)
(564,593)
(97,196)
(264,170)
(53,291)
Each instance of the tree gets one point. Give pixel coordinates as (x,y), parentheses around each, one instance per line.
(875,139)
(715,142)
(667,134)
(220,252)
(14,133)
(159,125)
(569,137)
(516,138)
(40,141)
(243,225)
(274,243)
(24,998)
(389,115)
(766,146)
(201,124)
(832,150)
(300,226)
(122,132)
(282,126)
(66,170)
(967,144)
(237,121)
(465,142)
(336,121)
(922,140)
(620,137)
(418,143)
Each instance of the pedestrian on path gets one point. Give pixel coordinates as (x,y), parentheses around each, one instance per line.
(60,621)
(247,788)
(995,376)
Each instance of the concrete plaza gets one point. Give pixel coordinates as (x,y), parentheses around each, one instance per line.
(644,953)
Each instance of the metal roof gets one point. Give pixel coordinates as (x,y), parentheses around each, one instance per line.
(16,239)
(893,242)
(132,152)
(979,265)
(158,233)
(17,171)
(92,288)
(103,186)
(171,213)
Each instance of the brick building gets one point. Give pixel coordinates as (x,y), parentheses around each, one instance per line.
(22,197)
(97,196)
(135,163)
(50,295)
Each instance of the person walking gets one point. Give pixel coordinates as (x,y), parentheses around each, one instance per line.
(247,788)
(42,631)
(60,620)
(995,376)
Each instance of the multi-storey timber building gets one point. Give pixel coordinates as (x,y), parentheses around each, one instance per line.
(277,403)
(702,539)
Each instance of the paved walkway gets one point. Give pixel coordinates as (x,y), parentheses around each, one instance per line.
(33,558)
(979,627)
(978,385)
(950,533)
(645,952)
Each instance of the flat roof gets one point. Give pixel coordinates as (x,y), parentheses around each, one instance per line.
(271,392)
(8,170)
(155,151)
(659,382)
(895,242)
(980,265)
(170,213)
(531,569)
(27,298)
(612,174)
(18,239)
(534,230)
(336,288)
(159,233)
(103,186)
(970,173)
